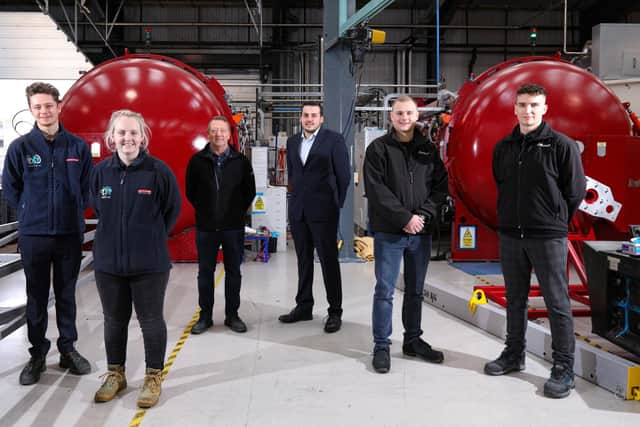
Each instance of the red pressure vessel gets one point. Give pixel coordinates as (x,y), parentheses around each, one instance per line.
(580,105)
(176,101)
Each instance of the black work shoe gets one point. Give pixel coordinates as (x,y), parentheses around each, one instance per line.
(419,348)
(560,383)
(31,372)
(201,326)
(75,363)
(333,323)
(381,360)
(507,362)
(236,324)
(296,315)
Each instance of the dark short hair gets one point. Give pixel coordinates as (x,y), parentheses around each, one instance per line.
(219,119)
(41,87)
(531,89)
(313,104)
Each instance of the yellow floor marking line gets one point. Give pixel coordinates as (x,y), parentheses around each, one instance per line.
(139,415)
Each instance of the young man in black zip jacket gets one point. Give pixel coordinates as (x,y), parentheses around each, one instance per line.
(405,180)
(220,185)
(46,177)
(539,172)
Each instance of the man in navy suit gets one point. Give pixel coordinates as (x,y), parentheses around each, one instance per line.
(318,169)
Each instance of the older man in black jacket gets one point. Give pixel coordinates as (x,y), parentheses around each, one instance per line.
(540,183)
(318,170)
(220,185)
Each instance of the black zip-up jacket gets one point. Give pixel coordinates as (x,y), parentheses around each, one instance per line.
(48,182)
(540,183)
(220,202)
(403,179)
(137,206)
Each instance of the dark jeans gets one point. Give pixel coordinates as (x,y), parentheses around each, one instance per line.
(548,257)
(208,242)
(146,292)
(389,250)
(39,253)
(308,235)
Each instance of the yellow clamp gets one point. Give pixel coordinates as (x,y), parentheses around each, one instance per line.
(478,297)
(633,383)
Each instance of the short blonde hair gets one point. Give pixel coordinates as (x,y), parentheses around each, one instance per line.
(405,98)
(144,128)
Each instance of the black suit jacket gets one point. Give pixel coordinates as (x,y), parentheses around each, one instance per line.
(319,187)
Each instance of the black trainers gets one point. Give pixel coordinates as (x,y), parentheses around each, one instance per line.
(419,348)
(560,383)
(381,360)
(333,323)
(201,325)
(236,324)
(31,372)
(75,363)
(507,362)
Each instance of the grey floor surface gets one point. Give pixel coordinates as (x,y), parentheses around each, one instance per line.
(295,375)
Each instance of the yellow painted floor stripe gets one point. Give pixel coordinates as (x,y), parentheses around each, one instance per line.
(139,415)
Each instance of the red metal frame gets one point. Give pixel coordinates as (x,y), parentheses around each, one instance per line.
(579,292)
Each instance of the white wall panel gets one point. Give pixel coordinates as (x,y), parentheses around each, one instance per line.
(32,48)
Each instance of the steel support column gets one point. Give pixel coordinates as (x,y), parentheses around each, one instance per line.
(339,94)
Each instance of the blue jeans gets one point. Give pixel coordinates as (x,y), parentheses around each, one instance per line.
(389,249)
(208,242)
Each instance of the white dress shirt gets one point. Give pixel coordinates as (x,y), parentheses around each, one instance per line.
(306,145)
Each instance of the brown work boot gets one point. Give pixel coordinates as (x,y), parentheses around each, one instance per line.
(114,382)
(150,392)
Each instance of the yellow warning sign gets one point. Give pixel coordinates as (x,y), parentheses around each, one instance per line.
(259,204)
(467,237)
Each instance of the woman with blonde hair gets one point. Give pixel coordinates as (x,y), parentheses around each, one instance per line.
(137,201)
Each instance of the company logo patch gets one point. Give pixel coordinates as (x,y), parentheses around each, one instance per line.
(540,144)
(105,192)
(34,160)
(72,159)
(145,191)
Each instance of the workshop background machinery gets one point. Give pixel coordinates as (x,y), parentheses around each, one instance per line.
(176,101)
(581,106)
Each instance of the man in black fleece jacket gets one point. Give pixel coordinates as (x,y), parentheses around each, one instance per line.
(540,183)
(220,185)
(405,180)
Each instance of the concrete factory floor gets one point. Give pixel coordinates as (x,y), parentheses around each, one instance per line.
(294,375)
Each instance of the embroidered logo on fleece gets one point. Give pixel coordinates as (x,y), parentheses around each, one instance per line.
(34,160)
(72,159)
(144,191)
(105,192)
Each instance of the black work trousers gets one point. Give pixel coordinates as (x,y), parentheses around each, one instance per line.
(146,292)
(39,254)
(548,257)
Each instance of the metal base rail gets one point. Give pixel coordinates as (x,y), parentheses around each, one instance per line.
(609,371)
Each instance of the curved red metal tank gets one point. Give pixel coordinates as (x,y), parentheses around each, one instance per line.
(176,101)
(580,105)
